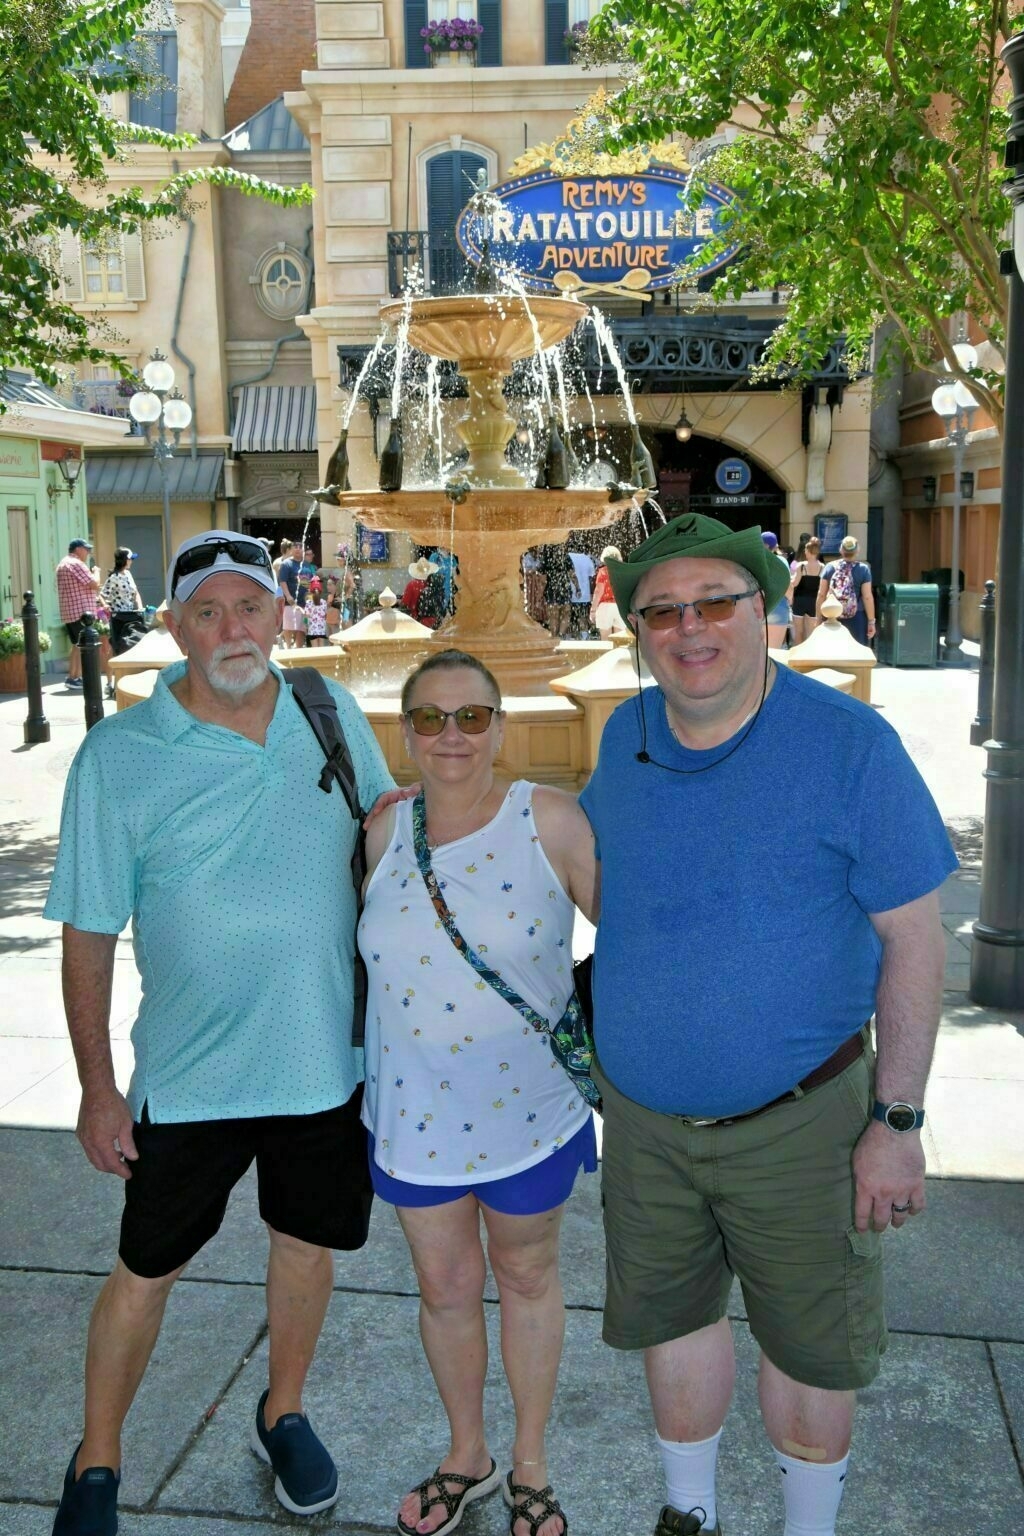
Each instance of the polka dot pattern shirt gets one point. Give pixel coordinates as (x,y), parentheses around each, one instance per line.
(206,841)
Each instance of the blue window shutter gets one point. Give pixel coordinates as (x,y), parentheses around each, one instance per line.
(168,67)
(415,21)
(488,14)
(556,24)
(449,178)
(159,107)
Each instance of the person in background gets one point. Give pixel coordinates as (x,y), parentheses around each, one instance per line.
(849,580)
(315,611)
(411,602)
(286,547)
(803,589)
(472,1119)
(556,569)
(123,599)
(307,570)
(781,616)
(293,626)
(333,606)
(78,592)
(583,579)
(123,602)
(604,614)
(533,587)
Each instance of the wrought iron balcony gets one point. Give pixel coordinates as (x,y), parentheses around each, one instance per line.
(661,354)
(102,397)
(438,258)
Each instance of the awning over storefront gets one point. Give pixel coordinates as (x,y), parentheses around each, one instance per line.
(128,477)
(275,418)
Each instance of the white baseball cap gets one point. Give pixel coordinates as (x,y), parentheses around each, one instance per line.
(213,553)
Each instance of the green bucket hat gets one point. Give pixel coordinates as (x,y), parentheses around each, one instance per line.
(702,538)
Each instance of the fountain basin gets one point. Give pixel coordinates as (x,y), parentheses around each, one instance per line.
(524,517)
(485,330)
(489,530)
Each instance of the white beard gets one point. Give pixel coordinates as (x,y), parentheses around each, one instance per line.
(240,674)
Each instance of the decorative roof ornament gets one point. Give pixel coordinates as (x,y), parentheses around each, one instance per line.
(578,152)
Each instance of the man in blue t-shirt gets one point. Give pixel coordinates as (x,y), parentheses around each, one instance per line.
(749,1129)
(170,819)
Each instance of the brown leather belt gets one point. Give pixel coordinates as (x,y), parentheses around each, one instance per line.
(844,1057)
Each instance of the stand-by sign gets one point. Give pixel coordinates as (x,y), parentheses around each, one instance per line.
(564,233)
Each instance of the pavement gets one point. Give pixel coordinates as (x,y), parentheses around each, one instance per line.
(940,1434)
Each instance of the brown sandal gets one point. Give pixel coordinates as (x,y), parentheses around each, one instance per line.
(454,1503)
(519,1497)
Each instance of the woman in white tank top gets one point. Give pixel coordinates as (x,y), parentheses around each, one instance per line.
(469,1111)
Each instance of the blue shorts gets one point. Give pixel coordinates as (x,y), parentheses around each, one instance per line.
(542,1187)
(781,613)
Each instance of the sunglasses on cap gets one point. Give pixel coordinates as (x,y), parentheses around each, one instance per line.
(471,719)
(713,610)
(205,555)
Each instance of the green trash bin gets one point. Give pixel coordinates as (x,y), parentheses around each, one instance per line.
(908,630)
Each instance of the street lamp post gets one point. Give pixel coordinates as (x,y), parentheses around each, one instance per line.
(956,405)
(162,406)
(997,954)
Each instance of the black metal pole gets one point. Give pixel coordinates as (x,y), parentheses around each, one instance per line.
(37,727)
(981,725)
(997,955)
(92,676)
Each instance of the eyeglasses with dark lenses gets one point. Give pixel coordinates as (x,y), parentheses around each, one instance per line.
(471,719)
(205,555)
(713,610)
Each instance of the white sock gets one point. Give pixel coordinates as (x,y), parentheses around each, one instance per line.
(690,1475)
(812,1491)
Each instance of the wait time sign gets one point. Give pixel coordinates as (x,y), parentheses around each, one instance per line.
(620,232)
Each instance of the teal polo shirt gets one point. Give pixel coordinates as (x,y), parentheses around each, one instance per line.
(234,868)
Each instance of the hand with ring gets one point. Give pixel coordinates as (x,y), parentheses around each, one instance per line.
(901,1210)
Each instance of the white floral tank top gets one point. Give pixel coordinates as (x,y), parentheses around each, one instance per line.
(459,1088)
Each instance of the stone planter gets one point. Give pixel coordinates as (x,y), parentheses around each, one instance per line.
(452,59)
(13,678)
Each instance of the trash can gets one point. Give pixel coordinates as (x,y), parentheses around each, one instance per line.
(908,630)
(942,576)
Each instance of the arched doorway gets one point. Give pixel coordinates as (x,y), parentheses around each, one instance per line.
(450,179)
(711,477)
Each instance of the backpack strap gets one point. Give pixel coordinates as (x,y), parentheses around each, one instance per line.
(314,698)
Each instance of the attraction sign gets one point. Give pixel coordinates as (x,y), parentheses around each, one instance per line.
(625,232)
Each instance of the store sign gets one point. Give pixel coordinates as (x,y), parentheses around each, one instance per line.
(19,456)
(561,233)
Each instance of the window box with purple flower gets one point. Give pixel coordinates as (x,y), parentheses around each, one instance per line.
(452,42)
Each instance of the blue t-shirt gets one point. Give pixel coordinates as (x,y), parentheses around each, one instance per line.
(246,962)
(288,577)
(735,952)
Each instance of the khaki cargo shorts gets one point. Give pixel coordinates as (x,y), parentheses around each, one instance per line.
(769,1199)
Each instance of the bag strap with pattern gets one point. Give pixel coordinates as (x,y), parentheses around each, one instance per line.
(419,838)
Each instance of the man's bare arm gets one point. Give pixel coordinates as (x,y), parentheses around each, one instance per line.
(889,1167)
(104,1119)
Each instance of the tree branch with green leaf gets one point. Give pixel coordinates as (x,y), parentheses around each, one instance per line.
(863,141)
(60,144)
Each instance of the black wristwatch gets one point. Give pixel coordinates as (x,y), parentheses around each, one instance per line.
(899,1116)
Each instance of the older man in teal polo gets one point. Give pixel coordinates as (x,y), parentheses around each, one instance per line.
(749,1130)
(243,1042)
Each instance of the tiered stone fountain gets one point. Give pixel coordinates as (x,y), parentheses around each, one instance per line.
(499,515)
